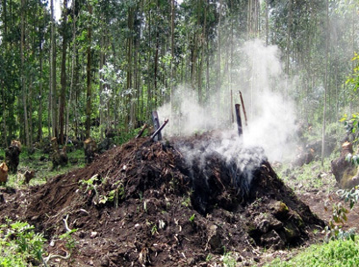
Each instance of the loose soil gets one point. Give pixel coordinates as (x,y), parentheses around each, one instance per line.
(177,202)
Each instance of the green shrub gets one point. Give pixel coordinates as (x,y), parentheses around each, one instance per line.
(19,244)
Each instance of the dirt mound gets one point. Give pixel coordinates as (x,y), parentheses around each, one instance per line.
(169,203)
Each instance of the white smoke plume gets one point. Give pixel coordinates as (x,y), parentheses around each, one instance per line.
(271,114)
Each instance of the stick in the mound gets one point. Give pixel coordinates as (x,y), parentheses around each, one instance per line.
(244,109)
(156,124)
(140,133)
(159,130)
(239,121)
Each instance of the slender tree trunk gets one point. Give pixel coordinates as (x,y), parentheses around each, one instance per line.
(267,22)
(23,82)
(130,24)
(63,74)
(4,115)
(203,39)
(325,82)
(73,62)
(102,63)
(89,77)
(53,74)
(289,23)
(39,130)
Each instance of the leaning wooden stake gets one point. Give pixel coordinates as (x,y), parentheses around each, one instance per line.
(140,133)
(239,121)
(232,118)
(156,124)
(244,109)
(158,131)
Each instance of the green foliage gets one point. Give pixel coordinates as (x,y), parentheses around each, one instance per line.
(90,183)
(353,79)
(336,222)
(228,260)
(19,244)
(70,241)
(339,215)
(343,253)
(191,219)
(351,195)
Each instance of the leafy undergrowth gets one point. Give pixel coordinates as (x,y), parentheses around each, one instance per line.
(20,245)
(344,253)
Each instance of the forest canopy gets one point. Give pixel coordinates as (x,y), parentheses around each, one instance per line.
(108,63)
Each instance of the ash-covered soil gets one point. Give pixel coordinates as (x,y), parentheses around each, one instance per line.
(180,202)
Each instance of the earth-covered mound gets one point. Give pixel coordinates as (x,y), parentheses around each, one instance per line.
(166,203)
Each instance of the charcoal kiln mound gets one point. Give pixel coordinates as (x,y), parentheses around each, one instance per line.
(166,203)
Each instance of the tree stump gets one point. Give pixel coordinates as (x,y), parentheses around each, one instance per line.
(12,156)
(58,156)
(90,148)
(3,172)
(344,171)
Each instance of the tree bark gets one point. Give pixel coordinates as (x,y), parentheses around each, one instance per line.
(53,74)
(23,82)
(89,77)
(325,82)
(63,74)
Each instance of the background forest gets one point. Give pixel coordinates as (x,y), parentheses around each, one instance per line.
(103,64)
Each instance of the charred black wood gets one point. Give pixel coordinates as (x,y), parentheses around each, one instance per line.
(156,126)
(244,109)
(239,120)
(159,131)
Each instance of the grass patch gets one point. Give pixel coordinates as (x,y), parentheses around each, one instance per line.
(43,168)
(307,177)
(341,253)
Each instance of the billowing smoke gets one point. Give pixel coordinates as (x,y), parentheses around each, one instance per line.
(271,114)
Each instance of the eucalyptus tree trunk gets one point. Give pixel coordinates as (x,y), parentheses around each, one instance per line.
(2,85)
(73,62)
(203,38)
(4,115)
(63,74)
(289,23)
(53,91)
(102,63)
(39,129)
(149,84)
(88,77)
(219,61)
(325,81)
(173,14)
(23,82)
(267,22)
(130,25)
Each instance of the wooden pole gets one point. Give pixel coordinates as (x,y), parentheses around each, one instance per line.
(244,109)
(239,120)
